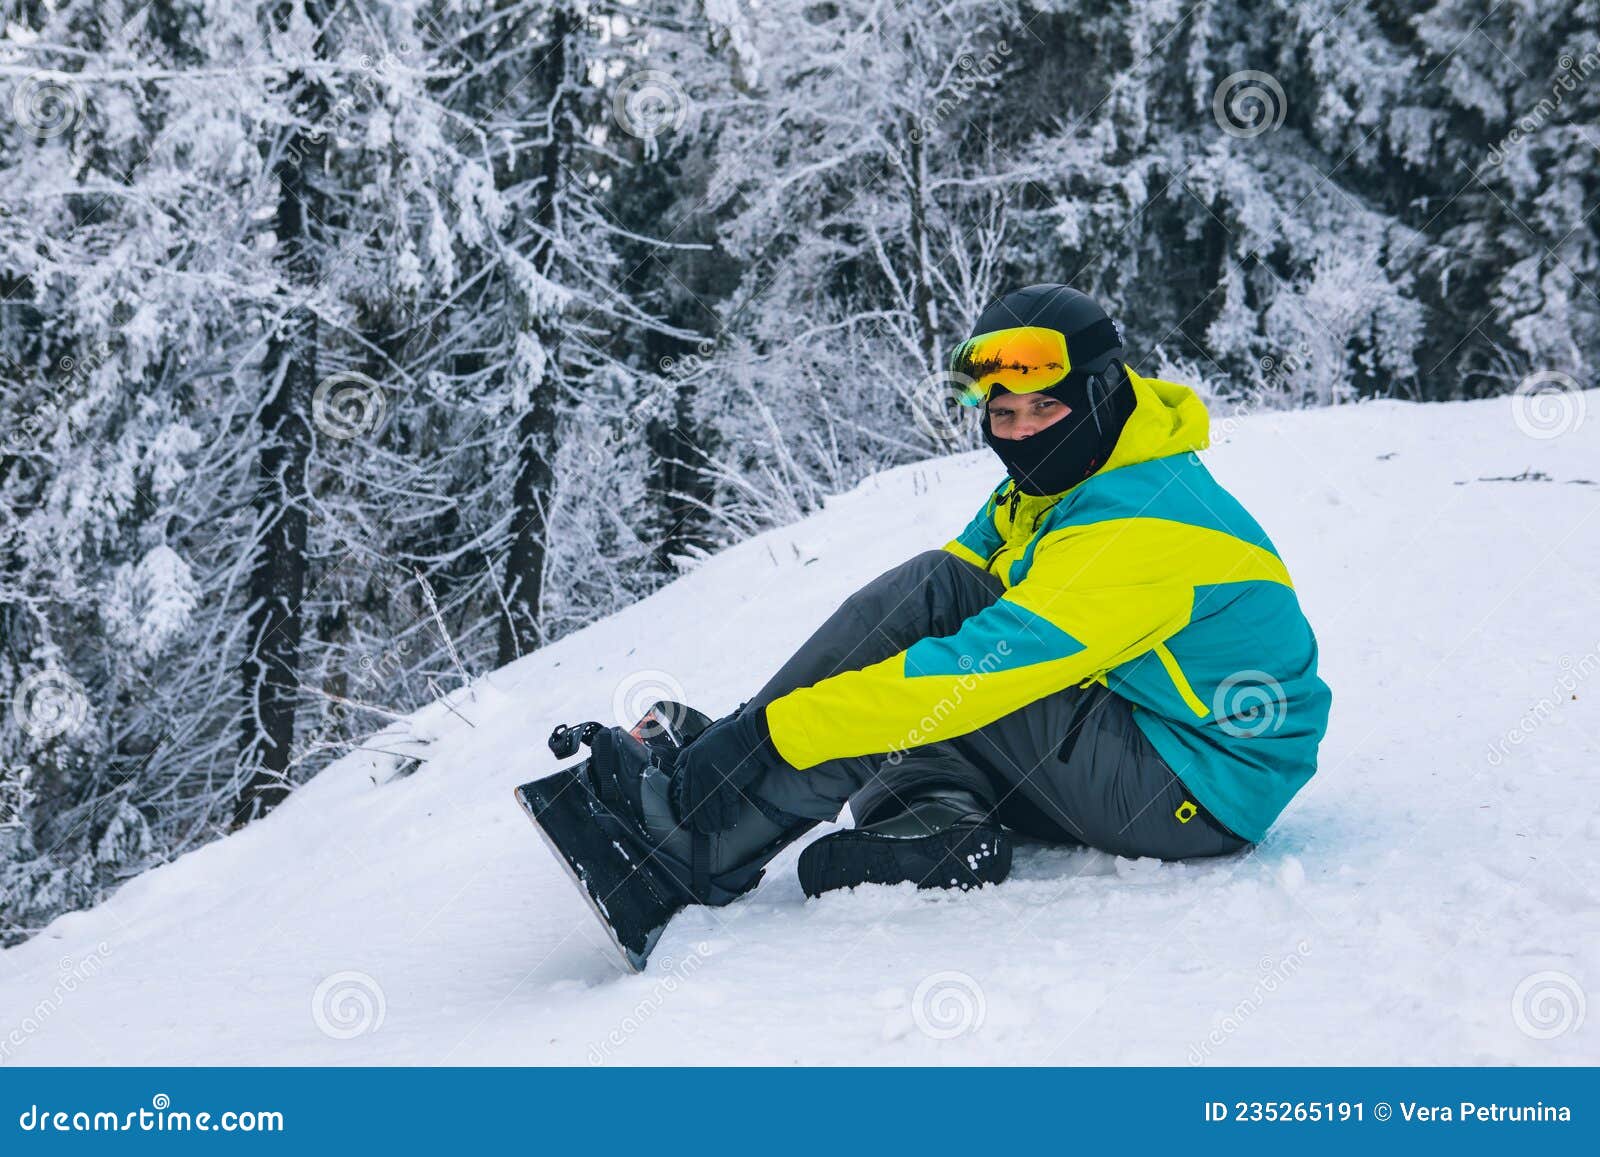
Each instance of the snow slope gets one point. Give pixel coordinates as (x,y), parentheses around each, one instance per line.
(1432,896)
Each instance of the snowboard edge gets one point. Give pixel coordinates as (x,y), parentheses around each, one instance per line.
(632,962)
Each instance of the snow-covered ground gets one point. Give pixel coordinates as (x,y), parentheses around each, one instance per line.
(1432,896)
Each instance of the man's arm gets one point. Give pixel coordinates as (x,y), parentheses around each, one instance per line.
(1095,597)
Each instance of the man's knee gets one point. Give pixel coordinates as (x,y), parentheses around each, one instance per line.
(890,594)
(915,571)
(936,585)
(907,775)
(953,568)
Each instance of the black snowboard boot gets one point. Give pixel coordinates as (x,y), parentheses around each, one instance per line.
(611,822)
(943,837)
(636,783)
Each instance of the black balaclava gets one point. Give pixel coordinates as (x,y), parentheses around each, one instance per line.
(1097,389)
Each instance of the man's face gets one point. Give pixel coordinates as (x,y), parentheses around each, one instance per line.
(1023,415)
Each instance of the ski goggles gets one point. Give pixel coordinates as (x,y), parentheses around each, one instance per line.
(1023,359)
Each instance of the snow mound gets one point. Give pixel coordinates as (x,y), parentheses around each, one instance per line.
(1431,897)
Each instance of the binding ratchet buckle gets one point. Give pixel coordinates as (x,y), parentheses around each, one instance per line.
(565,738)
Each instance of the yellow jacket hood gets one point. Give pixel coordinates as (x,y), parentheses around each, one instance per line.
(1167,419)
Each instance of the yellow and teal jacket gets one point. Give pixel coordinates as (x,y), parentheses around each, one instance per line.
(1147,576)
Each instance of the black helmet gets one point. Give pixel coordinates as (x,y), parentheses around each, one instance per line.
(1093,342)
(1014,348)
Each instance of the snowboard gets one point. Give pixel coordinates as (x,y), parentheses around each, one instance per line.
(601,850)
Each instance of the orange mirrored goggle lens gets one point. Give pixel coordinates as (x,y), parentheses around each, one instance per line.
(1023,360)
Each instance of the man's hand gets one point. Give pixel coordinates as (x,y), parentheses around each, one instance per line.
(714,770)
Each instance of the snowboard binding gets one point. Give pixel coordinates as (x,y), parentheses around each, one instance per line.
(664,729)
(666,726)
(597,817)
(564,740)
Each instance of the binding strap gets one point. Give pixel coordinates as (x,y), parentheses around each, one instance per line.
(700,863)
(603,768)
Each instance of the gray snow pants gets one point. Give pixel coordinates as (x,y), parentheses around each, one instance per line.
(1072,767)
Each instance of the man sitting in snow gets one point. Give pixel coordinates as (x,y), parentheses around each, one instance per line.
(1110,654)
